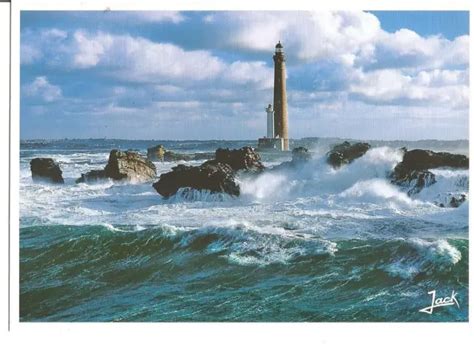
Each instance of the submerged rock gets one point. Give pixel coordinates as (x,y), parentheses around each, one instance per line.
(456,201)
(453,200)
(46,169)
(92,176)
(203,156)
(414,180)
(159,153)
(345,153)
(173,156)
(413,171)
(216,175)
(299,156)
(123,166)
(156,153)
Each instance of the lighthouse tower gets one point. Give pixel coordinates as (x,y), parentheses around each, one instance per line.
(279,96)
(270,125)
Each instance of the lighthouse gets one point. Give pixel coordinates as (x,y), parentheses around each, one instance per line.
(270,125)
(279,96)
(277,117)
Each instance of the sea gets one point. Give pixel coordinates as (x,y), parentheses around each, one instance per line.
(313,244)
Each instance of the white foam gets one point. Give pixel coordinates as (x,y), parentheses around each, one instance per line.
(314,199)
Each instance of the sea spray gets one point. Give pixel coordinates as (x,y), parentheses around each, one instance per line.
(310,244)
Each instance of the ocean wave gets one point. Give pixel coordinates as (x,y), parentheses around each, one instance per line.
(424,257)
(314,196)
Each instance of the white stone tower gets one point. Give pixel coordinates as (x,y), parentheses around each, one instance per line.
(270,123)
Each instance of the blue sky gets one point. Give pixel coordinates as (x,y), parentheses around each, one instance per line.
(209,75)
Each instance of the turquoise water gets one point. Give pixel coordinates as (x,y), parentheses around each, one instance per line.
(330,246)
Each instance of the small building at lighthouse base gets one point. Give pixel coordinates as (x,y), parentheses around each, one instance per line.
(271,144)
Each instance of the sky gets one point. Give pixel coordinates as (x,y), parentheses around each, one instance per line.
(209,75)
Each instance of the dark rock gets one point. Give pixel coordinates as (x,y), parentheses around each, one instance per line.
(92,176)
(413,170)
(203,156)
(123,166)
(46,169)
(159,153)
(451,200)
(174,156)
(156,153)
(345,153)
(415,180)
(216,175)
(245,158)
(420,159)
(299,156)
(456,201)
(212,176)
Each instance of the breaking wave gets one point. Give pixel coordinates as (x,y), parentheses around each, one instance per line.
(309,244)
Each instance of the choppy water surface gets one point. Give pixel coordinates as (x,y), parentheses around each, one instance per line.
(315,244)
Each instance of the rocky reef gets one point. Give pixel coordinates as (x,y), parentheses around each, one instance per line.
(160,153)
(46,169)
(346,152)
(123,165)
(413,171)
(299,156)
(245,158)
(213,176)
(216,175)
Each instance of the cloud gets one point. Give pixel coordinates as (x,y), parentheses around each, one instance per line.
(406,49)
(308,35)
(350,38)
(43,45)
(138,59)
(139,17)
(436,87)
(40,87)
(156,16)
(217,68)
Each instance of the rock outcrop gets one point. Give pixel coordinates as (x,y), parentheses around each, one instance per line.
(92,176)
(216,175)
(159,153)
(46,169)
(421,159)
(299,156)
(213,176)
(453,200)
(413,171)
(125,165)
(203,156)
(346,152)
(245,158)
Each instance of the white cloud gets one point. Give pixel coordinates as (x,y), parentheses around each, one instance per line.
(141,60)
(41,87)
(147,16)
(408,49)
(29,54)
(90,51)
(349,38)
(343,69)
(308,35)
(437,87)
(34,44)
